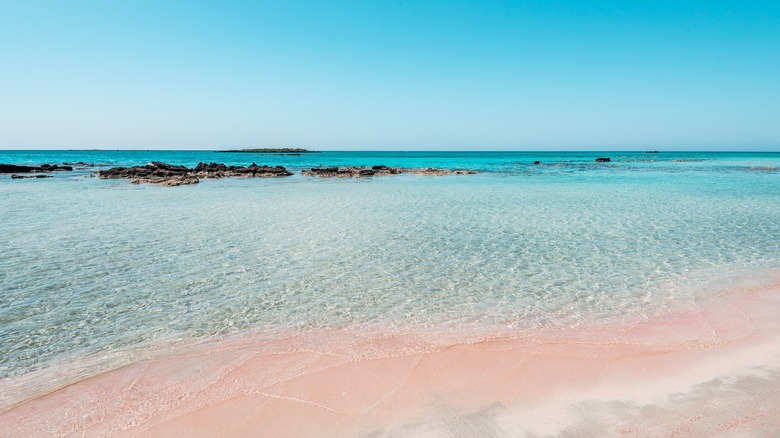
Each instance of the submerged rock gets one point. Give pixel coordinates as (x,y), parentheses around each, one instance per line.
(171,175)
(167,181)
(430,171)
(339,172)
(15,176)
(763,169)
(362,172)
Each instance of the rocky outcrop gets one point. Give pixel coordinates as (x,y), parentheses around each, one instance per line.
(12,168)
(603,160)
(153,173)
(362,172)
(170,175)
(219,170)
(347,172)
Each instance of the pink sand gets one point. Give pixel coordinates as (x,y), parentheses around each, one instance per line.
(708,371)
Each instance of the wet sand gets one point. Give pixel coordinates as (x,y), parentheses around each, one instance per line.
(709,370)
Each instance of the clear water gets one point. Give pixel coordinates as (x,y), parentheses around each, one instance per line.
(92,266)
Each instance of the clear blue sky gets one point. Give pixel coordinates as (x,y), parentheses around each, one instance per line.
(482,75)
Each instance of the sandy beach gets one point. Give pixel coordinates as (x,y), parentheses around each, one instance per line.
(712,370)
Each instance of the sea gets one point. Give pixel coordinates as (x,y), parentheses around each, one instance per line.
(96,274)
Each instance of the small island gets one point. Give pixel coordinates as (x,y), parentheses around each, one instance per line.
(271,151)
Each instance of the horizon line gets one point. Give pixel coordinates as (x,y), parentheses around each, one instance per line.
(649,150)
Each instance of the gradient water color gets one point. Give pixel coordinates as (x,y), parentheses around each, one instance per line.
(98,273)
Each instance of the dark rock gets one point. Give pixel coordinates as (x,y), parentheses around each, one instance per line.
(169,167)
(537,162)
(54,167)
(167,181)
(171,175)
(325,172)
(12,168)
(603,160)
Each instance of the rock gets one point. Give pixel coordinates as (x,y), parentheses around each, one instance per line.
(427,171)
(342,172)
(12,168)
(537,162)
(384,170)
(165,166)
(603,160)
(54,168)
(170,175)
(268,171)
(324,172)
(219,170)
(167,181)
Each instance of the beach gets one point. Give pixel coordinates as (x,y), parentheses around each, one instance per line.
(544,294)
(709,371)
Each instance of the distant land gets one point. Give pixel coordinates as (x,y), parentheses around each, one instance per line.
(272,150)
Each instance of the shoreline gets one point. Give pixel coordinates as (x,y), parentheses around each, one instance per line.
(638,379)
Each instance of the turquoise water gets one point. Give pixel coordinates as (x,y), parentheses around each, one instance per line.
(505,162)
(92,266)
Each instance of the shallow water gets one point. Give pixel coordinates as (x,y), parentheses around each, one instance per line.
(93,266)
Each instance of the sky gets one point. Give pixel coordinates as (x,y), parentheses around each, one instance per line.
(390,75)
